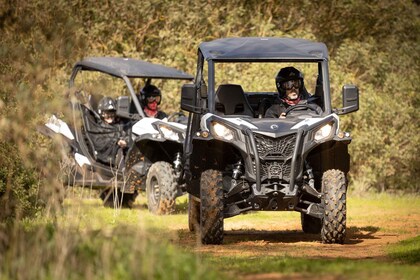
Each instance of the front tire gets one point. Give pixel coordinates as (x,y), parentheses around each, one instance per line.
(193,213)
(334,187)
(161,188)
(211,216)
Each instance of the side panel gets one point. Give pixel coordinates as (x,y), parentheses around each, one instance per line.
(330,155)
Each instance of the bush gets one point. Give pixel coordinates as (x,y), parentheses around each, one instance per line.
(18,185)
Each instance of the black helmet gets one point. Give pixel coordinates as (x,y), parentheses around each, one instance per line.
(106,104)
(288,74)
(149,91)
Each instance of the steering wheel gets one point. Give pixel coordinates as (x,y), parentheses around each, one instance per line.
(300,107)
(175,115)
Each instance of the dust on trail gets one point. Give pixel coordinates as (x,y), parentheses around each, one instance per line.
(364,240)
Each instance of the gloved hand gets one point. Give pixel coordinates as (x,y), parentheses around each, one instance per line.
(122,143)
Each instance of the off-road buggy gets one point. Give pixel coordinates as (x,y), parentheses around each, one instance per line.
(153,159)
(236,160)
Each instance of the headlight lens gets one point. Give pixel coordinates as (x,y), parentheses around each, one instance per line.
(323,132)
(169,133)
(221,131)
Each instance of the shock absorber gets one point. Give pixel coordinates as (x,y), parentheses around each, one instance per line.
(237,170)
(310,175)
(310,188)
(178,162)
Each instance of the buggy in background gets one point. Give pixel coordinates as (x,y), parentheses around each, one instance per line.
(152,160)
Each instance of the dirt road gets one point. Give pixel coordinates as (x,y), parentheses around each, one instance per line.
(367,238)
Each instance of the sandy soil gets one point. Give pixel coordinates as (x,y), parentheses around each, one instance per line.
(364,240)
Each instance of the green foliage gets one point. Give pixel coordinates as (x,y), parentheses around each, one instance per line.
(372,44)
(124,252)
(384,151)
(18,186)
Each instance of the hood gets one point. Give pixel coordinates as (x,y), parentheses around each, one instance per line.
(270,126)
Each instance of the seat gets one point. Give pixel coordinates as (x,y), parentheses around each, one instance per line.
(263,106)
(94,101)
(231,100)
(93,104)
(89,121)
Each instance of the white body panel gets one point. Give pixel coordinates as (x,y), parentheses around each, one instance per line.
(145,126)
(81,159)
(60,127)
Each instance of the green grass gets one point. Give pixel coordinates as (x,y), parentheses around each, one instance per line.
(120,253)
(88,241)
(352,269)
(406,251)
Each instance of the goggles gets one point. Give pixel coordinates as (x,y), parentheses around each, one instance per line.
(291,84)
(108,115)
(153,98)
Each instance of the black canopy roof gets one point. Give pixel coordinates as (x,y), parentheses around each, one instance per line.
(263,49)
(131,68)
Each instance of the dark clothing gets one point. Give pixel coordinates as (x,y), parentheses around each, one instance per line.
(105,139)
(160,115)
(280,106)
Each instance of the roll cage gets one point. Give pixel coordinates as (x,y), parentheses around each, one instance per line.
(260,50)
(126,68)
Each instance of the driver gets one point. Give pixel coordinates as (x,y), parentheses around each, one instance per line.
(289,83)
(150,97)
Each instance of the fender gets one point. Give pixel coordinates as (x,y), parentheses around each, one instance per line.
(59,127)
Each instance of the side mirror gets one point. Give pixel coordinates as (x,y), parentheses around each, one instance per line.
(350,100)
(189,98)
(203,90)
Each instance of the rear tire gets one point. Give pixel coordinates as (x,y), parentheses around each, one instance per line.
(310,224)
(193,213)
(67,172)
(161,188)
(334,187)
(113,198)
(211,214)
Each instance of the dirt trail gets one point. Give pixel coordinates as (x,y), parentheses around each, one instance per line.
(363,241)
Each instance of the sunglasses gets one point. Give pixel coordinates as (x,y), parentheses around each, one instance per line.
(291,84)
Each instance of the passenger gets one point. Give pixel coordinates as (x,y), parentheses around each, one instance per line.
(151,97)
(290,85)
(112,136)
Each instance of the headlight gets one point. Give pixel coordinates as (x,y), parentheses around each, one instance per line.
(221,131)
(323,132)
(169,133)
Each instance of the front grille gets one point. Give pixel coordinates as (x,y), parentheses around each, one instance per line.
(282,147)
(274,169)
(275,156)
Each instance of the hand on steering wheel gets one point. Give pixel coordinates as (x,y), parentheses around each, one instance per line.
(298,107)
(174,115)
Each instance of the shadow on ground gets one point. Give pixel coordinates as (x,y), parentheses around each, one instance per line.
(354,235)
